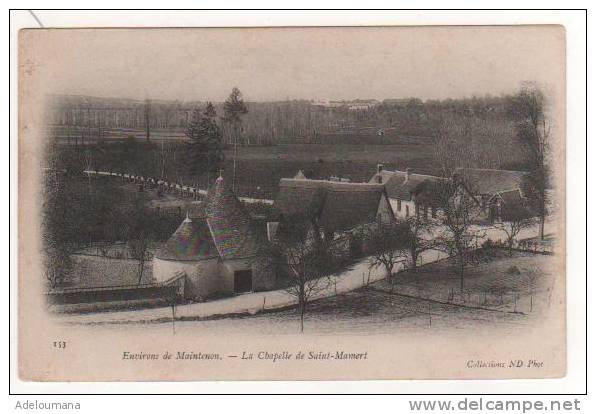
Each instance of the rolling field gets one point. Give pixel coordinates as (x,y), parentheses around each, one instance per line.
(259,168)
(264,166)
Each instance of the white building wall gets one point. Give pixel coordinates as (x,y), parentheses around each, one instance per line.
(384,210)
(408,208)
(202,276)
(206,279)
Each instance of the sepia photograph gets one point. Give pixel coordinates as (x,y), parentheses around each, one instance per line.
(297,203)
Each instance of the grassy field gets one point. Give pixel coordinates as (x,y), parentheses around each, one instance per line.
(521,283)
(259,169)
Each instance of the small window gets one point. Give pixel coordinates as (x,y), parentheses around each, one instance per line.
(398,205)
(434,212)
(407,211)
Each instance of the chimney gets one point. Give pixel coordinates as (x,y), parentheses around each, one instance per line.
(379,177)
(408,173)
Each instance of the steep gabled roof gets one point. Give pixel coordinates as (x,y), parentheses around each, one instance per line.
(191,241)
(297,197)
(514,205)
(348,206)
(335,206)
(487,181)
(231,227)
(430,192)
(401,187)
(511,197)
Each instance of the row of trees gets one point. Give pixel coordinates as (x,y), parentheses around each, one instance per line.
(270,122)
(199,156)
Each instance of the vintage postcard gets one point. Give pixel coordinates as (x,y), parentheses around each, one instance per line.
(321,203)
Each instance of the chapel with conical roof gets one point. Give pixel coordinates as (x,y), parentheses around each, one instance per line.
(218,252)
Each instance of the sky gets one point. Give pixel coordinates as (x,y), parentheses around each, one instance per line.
(296,63)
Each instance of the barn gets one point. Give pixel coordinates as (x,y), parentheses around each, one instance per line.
(494,190)
(334,207)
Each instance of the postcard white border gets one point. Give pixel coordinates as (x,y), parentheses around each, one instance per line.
(574,23)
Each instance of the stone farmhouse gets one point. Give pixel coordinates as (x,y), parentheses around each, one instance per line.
(413,194)
(410,194)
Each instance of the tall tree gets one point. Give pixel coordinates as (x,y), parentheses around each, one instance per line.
(58,229)
(147,120)
(234,109)
(129,155)
(459,236)
(387,245)
(515,217)
(205,148)
(308,258)
(418,238)
(139,234)
(527,109)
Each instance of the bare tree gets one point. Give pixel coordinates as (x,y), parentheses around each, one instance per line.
(147,113)
(308,258)
(139,235)
(57,230)
(138,248)
(387,245)
(57,264)
(418,237)
(527,108)
(459,237)
(172,297)
(515,218)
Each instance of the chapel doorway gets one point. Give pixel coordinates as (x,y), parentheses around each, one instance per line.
(243,281)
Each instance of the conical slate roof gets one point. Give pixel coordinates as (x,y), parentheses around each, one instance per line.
(230,225)
(191,241)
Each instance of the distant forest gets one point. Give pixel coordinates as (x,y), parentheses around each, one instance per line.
(341,138)
(293,121)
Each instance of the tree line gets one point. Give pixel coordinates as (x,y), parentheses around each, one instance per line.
(270,123)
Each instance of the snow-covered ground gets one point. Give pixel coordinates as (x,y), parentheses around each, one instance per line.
(357,276)
(363,311)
